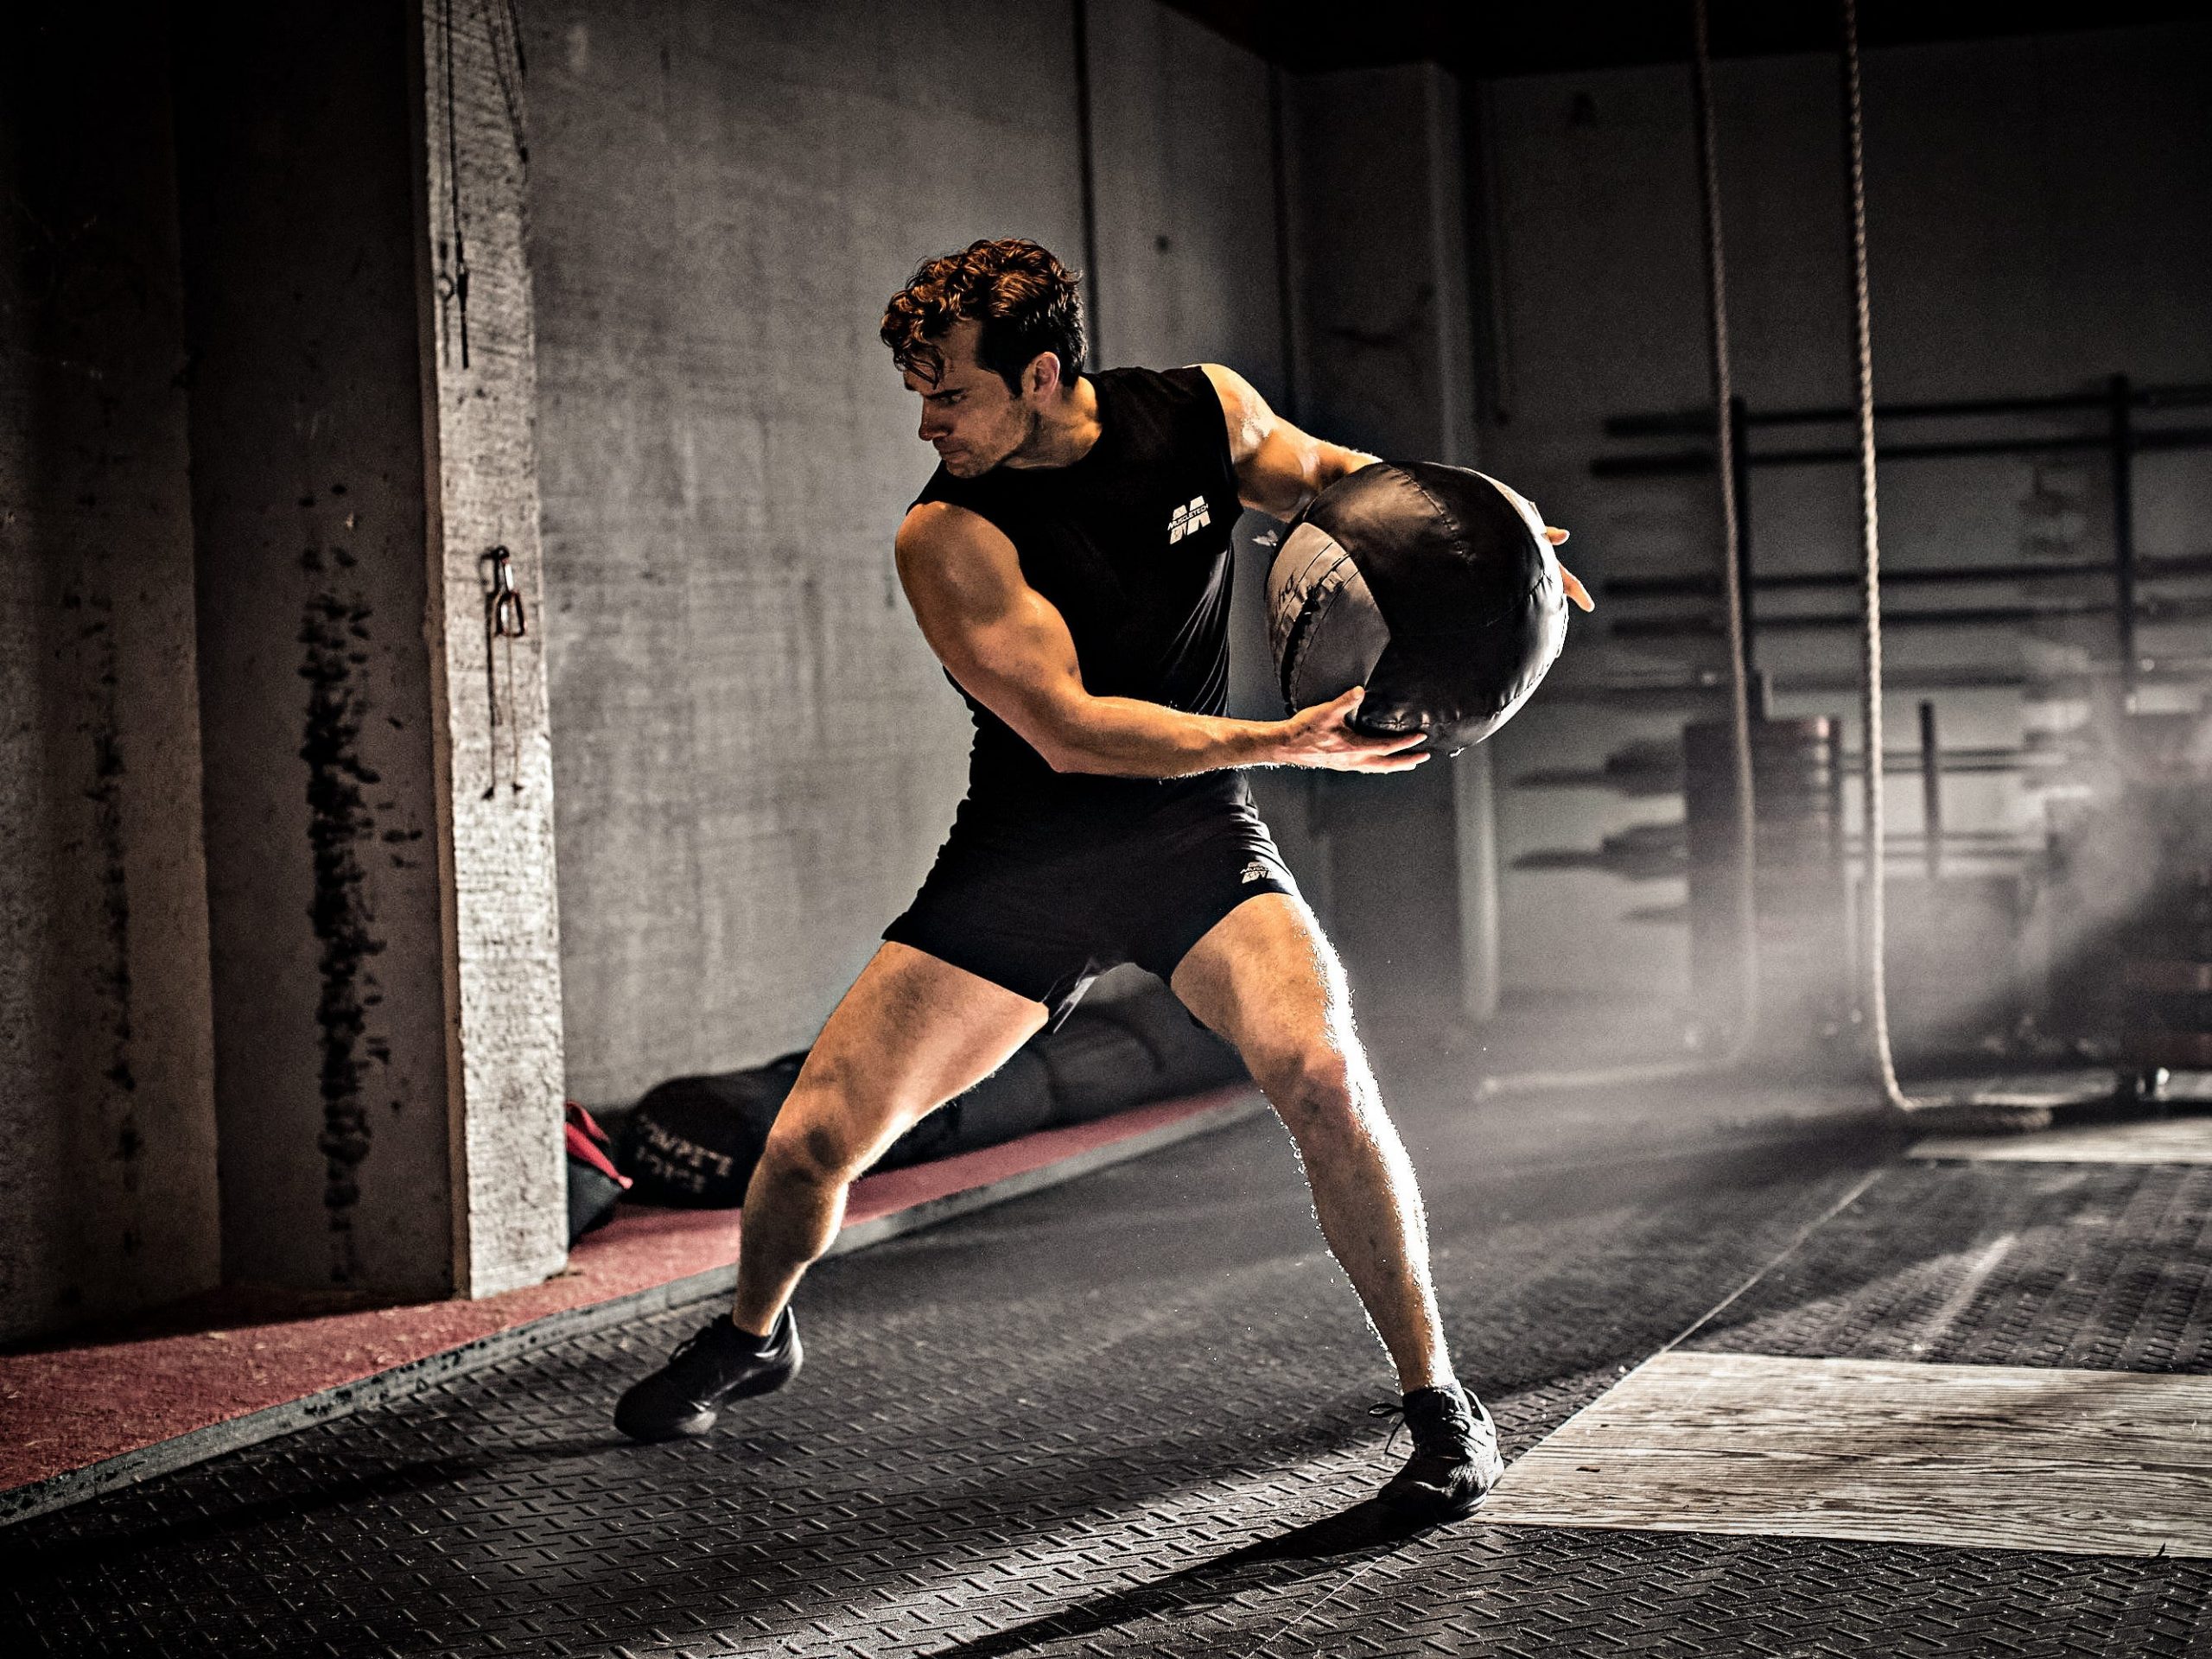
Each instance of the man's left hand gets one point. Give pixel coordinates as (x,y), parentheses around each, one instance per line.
(1575,590)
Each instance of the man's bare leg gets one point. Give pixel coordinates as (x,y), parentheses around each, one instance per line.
(913,1032)
(1267,979)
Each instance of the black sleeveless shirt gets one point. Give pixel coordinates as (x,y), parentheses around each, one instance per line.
(1131,544)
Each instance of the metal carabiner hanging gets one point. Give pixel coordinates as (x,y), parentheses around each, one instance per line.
(503,604)
(505,620)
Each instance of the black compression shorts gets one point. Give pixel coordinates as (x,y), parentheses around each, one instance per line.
(1043,912)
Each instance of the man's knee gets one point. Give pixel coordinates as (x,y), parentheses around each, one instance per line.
(823,1136)
(1316,1084)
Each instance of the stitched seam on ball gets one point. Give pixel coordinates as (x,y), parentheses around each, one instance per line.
(1459,529)
(1302,587)
(1309,611)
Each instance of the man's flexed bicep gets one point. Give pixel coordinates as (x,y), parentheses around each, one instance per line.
(1281,469)
(1005,643)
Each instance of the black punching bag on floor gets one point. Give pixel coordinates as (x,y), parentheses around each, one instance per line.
(1433,586)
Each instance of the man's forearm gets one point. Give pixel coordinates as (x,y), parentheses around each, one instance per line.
(1337,462)
(1124,737)
(1322,464)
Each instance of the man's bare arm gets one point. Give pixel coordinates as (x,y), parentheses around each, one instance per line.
(1009,648)
(1281,469)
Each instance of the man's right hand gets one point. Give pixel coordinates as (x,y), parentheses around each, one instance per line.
(1319,737)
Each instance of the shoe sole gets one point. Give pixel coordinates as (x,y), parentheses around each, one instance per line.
(1423,1507)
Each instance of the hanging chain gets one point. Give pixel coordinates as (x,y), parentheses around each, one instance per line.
(455,286)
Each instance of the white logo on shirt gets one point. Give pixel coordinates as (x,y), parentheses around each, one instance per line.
(1255,871)
(1184,520)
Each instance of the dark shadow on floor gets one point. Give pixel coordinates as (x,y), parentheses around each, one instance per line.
(313,1487)
(1336,1542)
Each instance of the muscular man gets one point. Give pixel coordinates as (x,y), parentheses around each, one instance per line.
(1069,563)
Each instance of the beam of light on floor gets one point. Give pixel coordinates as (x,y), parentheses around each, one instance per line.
(1958,1456)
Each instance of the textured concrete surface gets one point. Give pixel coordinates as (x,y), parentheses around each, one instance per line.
(107,1186)
(1184,154)
(1382,260)
(386,955)
(487,702)
(323,817)
(755,753)
(1384,362)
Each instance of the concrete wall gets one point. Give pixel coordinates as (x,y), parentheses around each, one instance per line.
(379,804)
(1183,154)
(234,615)
(107,1189)
(487,706)
(1386,363)
(2040,216)
(321,810)
(755,753)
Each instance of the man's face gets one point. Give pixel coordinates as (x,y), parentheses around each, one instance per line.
(967,414)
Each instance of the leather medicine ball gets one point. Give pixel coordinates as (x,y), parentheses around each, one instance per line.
(1433,586)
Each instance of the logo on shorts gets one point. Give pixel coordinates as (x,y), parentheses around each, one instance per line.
(1184,520)
(1255,871)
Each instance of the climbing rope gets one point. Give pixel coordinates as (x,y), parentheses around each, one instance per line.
(1964,1111)
(1874,907)
(1967,1110)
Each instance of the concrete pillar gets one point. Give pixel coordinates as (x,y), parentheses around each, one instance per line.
(1183,164)
(107,1120)
(378,795)
(489,721)
(1386,361)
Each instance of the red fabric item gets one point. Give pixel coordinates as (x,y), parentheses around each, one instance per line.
(589,1142)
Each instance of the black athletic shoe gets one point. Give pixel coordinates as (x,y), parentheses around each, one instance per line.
(1455,1456)
(708,1369)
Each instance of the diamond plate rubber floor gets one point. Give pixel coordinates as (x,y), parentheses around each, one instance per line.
(1127,1417)
(2093,1266)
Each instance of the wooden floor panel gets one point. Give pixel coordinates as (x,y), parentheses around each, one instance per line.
(1968,1456)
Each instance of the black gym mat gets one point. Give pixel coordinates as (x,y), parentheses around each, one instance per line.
(1125,1417)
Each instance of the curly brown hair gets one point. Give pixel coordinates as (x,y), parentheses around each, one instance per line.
(1026,301)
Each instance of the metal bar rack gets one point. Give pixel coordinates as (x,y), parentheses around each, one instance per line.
(2112,415)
